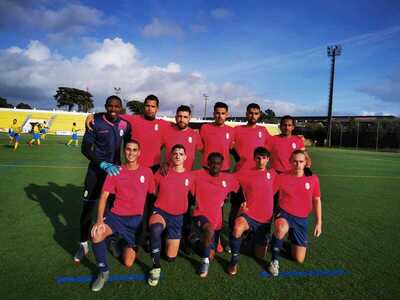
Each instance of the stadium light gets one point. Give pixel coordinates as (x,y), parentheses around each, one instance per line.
(205,106)
(332,52)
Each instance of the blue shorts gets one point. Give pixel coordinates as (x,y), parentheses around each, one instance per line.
(74,136)
(42,131)
(200,221)
(261,230)
(16,137)
(173,223)
(11,133)
(124,226)
(94,181)
(36,136)
(297,228)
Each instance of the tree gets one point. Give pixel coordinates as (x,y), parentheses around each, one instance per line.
(66,96)
(268,115)
(135,106)
(4,104)
(23,106)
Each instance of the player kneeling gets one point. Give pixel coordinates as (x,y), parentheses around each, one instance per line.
(130,188)
(256,212)
(171,205)
(211,188)
(298,195)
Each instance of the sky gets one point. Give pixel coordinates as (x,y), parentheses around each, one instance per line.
(238,52)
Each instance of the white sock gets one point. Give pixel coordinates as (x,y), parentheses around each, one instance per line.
(205,260)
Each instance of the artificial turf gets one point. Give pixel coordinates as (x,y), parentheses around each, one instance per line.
(40,192)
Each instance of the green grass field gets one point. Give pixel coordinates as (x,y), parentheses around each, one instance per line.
(40,191)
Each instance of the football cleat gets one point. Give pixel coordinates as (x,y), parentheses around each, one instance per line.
(100,281)
(273,268)
(203,270)
(80,254)
(154,276)
(233,269)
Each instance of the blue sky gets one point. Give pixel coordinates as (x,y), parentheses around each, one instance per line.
(236,51)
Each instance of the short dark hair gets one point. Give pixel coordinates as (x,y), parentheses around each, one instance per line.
(261,151)
(178,146)
(74,124)
(133,141)
(215,155)
(113,97)
(152,97)
(254,106)
(287,117)
(220,105)
(184,108)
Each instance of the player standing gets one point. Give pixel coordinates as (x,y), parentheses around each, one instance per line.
(256,212)
(102,147)
(282,146)
(74,136)
(130,188)
(171,205)
(15,131)
(43,130)
(298,196)
(211,188)
(247,138)
(36,135)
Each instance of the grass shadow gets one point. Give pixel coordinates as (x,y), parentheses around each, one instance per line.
(61,206)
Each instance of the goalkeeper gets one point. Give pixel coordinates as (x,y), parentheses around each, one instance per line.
(102,146)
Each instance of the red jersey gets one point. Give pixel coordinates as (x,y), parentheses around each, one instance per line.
(210,193)
(246,140)
(130,188)
(172,191)
(149,135)
(296,193)
(258,189)
(281,148)
(217,139)
(189,138)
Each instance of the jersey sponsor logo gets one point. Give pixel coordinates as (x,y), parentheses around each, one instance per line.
(103,131)
(121,132)
(155,127)
(186,182)
(141,179)
(294,145)
(307,186)
(224,184)
(190,140)
(268,175)
(227,136)
(260,134)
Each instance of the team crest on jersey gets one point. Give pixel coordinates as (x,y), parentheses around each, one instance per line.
(155,127)
(85,193)
(224,183)
(260,134)
(268,175)
(294,145)
(307,186)
(186,182)
(227,136)
(121,132)
(190,139)
(141,179)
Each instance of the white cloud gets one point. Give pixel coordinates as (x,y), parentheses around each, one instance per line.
(221,13)
(70,19)
(158,28)
(198,28)
(34,73)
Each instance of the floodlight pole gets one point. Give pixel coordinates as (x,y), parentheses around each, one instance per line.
(333,51)
(205,106)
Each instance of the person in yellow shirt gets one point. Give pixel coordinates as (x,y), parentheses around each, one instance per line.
(36,135)
(43,130)
(11,132)
(16,134)
(74,137)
